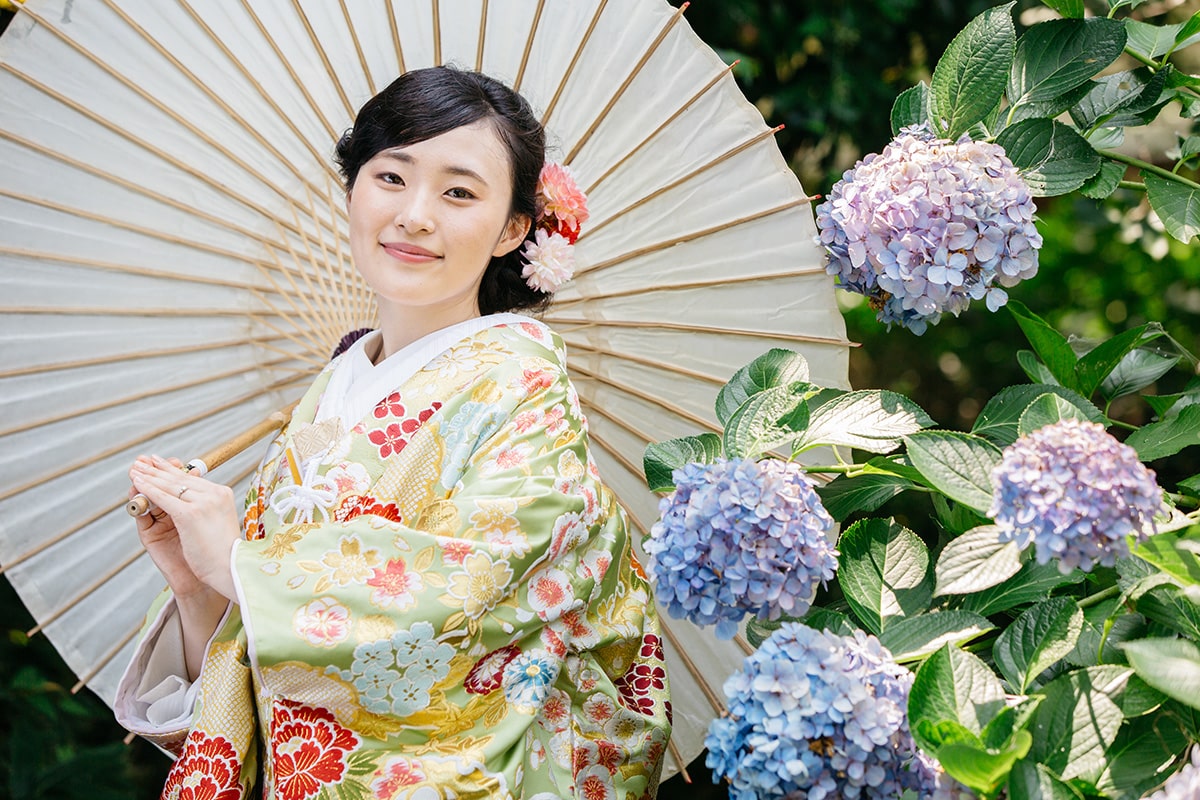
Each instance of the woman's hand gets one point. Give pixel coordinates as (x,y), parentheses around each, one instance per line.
(191,532)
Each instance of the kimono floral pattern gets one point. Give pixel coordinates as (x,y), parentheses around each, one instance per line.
(466,617)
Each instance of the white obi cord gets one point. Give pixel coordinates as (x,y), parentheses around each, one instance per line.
(313,493)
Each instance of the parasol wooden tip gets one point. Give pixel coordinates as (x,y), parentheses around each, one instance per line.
(138,506)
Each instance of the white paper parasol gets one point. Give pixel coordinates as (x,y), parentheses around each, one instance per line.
(174,265)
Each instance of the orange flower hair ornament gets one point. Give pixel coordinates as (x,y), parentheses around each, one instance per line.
(562,210)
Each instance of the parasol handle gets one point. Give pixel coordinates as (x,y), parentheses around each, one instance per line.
(139,504)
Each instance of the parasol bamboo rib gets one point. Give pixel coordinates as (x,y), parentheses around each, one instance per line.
(678,758)
(355,292)
(437,33)
(537,18)
(612,451)
(583,43)
(287,65)
(318,271)
(648,362)
(133,398)
(87,592)
(307,281)
(317,364)
(679,326)
(312,349)
(649,398)
(639,471)
(335,302)
(662,34)
(134,87)
(93,311)
(320,318)
(203,86)
(687,237)
(328,250)
(482,31)
(38,369)
(62,536)
(105,659)
(709,694)
(129,445)
(310,326)
(682,108)
(391,12)
(316,42)
(362,59)
(728,154)
(678,287)
(318,156)
(276,311)
(606,447)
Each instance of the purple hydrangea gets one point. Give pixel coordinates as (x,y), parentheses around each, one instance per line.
(817,715)
(929,225)
(740,536)
(1076,493)
(1183,785)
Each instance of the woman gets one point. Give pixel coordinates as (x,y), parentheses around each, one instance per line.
(431,594)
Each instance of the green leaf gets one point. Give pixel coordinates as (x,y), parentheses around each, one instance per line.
(1035,369)
(969,78)
(957,464)
(1016,716)
(863,493)
(955,519)
(1049,109)
(1171,666)
(1104,182)
(823,619)
(1046,410)
(1105,625)
(1120,99)
(661,458)
(953,685)
(773,369)
(871,419)
(1078,719)
(975,561)
(1095,365)
(1052,158)
(1060,54)
(1150,40)
(980,768)
(1032,781)
(1142,756)
(1169,606)
(1163,551)
(1072,9)
(883,570)
(914,638)
(1177,205)
(1166,438)
(1035,640)
(911,108)
(1137,370)
(999,420)
(1034,582)
(770,419)
(1051,346)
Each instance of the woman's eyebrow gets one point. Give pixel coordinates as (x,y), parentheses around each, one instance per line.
(452,169)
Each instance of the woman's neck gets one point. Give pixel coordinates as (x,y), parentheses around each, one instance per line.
(400,327)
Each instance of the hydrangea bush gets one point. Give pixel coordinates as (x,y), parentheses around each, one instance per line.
(1033,633)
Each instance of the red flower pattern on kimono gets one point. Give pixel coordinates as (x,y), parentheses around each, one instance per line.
(389,406)
(636,689)
(485,676)
(394,437)
(208,769)
(309,749)
(358,505)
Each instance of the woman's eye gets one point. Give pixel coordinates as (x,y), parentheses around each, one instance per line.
(391,177)
(460,194)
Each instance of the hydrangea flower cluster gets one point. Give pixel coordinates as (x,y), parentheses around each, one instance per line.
(816,715)
(562,209)
(929,225)
(740,536)
(1076,493)
(1183,785)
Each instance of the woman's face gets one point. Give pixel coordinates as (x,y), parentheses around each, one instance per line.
(426,218)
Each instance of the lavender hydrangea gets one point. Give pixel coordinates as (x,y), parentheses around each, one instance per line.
(929,225)
(817,715)
(1076,493)
(740,536)
(1183,785)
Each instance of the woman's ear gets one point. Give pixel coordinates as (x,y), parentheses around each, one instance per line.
(514,233)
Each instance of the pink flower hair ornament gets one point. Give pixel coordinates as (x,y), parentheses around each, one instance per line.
(562,209)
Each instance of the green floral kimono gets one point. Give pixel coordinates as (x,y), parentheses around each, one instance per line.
(440,602)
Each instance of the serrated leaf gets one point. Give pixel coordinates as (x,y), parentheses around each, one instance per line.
(1104,182)
(1096,365)
(911,108)
(1029,780)
(975,561)
(1169,606)
(1036,639)
(1052,158)
(957,464)
(1137,370)
(1060,54)
(1050,346)
(1035,369)
(980,768)
(1046,410)
(775,368)
(1150,40)
(1164,551)
(883,570)
(863,493)
(968,80)
(914,638)
(1166,438)
(1177,205)
(1068,8)
(1049,108)
(874,420)
(1119,99)
(770,419)
(1172,666)
(1078,719)
(955,518)
(1142,755)
(1034,582)
(999,420)
(953,685)
(661,458)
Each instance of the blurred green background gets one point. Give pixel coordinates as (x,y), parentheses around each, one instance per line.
(828,71)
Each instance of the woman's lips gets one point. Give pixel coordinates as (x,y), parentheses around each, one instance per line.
(409,252)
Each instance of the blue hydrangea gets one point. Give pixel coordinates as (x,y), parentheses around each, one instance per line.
(739,536)
(817,715)
(1183,785)
(1076,493)
(929,225)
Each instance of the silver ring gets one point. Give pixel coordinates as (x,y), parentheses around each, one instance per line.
(182,489)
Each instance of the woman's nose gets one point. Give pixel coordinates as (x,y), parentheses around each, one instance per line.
(415,213)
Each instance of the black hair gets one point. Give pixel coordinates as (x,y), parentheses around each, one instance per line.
(425,103)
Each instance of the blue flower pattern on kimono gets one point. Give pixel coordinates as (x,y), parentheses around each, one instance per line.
(395,675)
(474,423)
